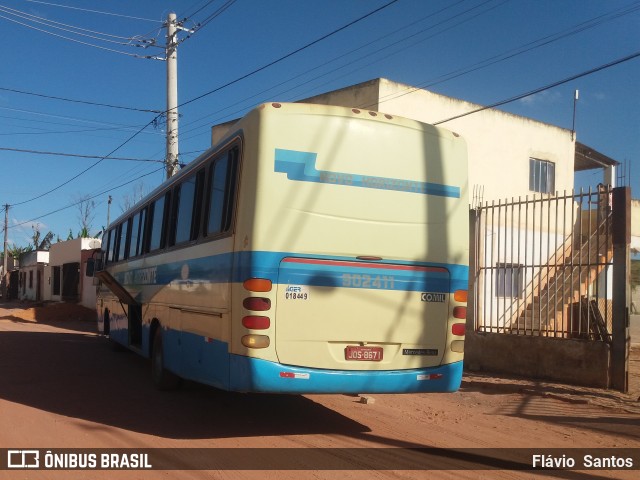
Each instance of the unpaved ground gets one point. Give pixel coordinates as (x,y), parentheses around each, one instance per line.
(62,386)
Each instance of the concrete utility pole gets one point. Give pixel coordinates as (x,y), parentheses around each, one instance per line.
(5,263)
(109,210)
(171,160)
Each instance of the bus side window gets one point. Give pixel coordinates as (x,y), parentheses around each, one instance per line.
(157,223)
(110,245)
(137,230)
(124,236)
(187,209)
(221,194)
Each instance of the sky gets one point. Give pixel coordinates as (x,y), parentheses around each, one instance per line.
(109,92)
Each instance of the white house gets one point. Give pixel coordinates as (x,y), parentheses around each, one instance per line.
(65,275)
(30,277)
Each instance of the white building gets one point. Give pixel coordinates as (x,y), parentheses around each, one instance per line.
(32,265)
(65,275)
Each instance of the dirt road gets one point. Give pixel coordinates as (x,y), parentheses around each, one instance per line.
(62,386)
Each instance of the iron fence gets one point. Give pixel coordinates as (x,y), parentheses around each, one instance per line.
(544,265)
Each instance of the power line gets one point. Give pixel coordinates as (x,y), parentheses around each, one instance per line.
(84,199)
(290,54)
(93,11)
(525,48)
(92,166)
(546,87)
(290,79)
(206,2)
(209,19)
(71,28)
(61,154)
(75,119)
(149,57)
(85,102)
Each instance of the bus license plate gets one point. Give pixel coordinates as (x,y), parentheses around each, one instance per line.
(369,354)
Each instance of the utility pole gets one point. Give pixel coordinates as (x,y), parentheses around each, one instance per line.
(5,263)
(171,161)
(109,211)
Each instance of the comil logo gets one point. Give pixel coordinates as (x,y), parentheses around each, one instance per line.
(433,297)
(23,459)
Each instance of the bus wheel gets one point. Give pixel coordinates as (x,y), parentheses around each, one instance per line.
(163,379)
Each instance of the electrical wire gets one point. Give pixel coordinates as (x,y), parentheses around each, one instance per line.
(75,155)
(546,87)
(68,28)
(292,78)
(290,54)
(148,57)
(187,15)
(512,53)
(209,19)
(92,166)
(85,102)
(75,119)
(92,11)
(83,200)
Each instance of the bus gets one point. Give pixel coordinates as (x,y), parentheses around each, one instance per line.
(315,249)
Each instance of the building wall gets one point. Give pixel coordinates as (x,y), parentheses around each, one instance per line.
(33,283)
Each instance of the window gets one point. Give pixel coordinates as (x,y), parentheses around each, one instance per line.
(542,176)
(187,209)
(156,223)
(30,278)
(137,231)
(509,280)
(221,194)
(110,244)
(123,229)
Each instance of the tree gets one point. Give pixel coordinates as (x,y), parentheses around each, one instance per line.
(43,244)
(86,214)
(15,251)
(130,199)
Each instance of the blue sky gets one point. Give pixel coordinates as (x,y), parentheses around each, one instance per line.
(417,42)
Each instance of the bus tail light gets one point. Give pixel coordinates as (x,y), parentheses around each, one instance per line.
(257,285)
(458,329)
(255,341)
(460,296)
(258,304)
(255,322)
(460,313)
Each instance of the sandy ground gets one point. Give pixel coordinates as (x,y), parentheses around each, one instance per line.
(61,386)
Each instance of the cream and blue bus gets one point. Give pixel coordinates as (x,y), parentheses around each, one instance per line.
(316,249)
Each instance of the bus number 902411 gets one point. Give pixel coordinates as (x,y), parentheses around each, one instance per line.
(352,280)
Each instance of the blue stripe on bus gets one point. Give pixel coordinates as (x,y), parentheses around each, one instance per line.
(255,375)
(270,265)
(301,166)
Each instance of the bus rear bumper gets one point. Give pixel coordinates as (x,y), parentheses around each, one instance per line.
(255,375)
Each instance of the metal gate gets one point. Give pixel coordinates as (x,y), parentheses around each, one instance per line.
(543,266)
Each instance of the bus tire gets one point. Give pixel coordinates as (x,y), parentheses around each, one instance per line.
(163,379)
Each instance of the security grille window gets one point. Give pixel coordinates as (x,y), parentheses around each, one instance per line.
(509,280)
(542,176)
